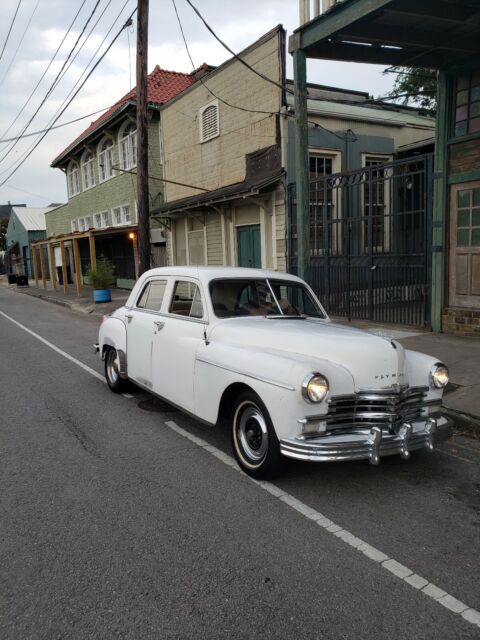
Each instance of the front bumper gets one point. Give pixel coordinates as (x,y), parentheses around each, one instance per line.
(369,444)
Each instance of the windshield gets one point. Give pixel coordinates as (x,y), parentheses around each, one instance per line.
(237,297)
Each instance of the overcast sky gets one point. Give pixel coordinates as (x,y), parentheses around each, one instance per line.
(238,23)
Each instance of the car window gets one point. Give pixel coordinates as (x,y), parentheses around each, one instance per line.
(187,300)
(152,295)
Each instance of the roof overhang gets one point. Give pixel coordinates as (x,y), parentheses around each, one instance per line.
(439,34)
(211,199)
(78,235)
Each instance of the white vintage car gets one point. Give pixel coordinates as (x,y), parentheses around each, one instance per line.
(256,347)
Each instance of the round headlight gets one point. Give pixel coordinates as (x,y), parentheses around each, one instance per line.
(439,376)
(315,387)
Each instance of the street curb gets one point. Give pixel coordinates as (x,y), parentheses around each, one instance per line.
(467,424)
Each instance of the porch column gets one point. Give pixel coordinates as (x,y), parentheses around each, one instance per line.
(93,255)
(42,266)
(302,176)
(78,266)
(439,203)
(64,266)
(35,265)
(51,265)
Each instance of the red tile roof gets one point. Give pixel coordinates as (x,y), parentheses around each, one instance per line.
(162,86)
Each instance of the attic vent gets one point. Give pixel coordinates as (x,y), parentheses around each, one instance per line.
(209,121)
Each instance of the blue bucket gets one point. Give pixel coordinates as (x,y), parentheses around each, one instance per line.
(101,295)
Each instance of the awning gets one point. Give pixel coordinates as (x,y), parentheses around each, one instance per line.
(225,194)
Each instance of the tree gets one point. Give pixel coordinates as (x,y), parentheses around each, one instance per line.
(3,234)
(415,87)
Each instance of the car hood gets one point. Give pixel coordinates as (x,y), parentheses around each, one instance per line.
(374,361)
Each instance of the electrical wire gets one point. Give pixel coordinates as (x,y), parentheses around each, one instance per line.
(63,124)
(236,56)
(180,184)
(59,110)
(45,71)
(10,28)
(72,98)
(19,43)
(53,85)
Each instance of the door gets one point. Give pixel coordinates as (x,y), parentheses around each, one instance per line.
(248,246)
(174,348)
(143,321)
(465,245)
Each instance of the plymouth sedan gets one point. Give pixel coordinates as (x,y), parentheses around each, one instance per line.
(257,348)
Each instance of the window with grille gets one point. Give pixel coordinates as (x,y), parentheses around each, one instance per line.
(74,226)
(121,215)
(88,170)
(105,160)
(128,145)
(104,215)
(323,201)
(73,179)
(81,224)
(209,121)
(88,222)
(467,104)
(97,221)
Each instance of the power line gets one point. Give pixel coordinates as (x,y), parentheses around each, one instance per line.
(52,86)
(19,43)
(59,110)
(72,98)
(236,56)
(10,28)
(45,71)
(63,124)
(180,184)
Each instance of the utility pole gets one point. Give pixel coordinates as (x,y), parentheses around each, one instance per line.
(142,138)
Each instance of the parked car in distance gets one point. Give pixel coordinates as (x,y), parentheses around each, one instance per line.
(257,347)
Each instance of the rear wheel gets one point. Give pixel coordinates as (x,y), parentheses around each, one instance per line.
(255,442)
(112,371)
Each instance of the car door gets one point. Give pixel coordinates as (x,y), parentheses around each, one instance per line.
(174,347)
(143,321)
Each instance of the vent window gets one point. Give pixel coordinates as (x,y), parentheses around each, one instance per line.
(209,122)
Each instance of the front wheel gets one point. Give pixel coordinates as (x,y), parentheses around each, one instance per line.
(255,442)
(112,372)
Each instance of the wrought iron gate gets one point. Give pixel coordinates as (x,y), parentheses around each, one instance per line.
(370,235)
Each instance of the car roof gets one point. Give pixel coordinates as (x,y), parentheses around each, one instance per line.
(207,273)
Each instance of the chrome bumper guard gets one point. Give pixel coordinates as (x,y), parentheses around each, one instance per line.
(369,444)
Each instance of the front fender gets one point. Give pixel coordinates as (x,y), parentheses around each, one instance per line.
(277,378)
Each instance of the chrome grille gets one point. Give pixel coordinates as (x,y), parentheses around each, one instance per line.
(378,407)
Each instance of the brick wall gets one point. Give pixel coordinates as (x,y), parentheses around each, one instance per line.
(461,322)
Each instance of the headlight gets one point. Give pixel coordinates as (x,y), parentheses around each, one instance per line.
(439,376)
(315,387)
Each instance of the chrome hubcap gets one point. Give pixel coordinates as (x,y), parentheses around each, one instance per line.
(113,366)
(252,433)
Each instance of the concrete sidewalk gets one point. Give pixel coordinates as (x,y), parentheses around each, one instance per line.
(79,304)
(461,355)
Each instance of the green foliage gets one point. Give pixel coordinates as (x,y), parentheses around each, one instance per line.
(102,276)
(3,234)
(416,88)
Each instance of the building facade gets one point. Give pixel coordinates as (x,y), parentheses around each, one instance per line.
(230,142)
(100,170)
(26,225)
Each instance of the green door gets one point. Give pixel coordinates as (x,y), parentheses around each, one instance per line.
(248,246)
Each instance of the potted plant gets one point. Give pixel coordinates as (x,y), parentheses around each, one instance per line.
(101,279)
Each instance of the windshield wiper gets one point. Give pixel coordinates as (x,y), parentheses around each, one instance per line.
(282,316)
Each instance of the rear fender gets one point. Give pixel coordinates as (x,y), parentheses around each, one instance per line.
(113,333)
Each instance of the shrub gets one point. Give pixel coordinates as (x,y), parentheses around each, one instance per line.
(102,276)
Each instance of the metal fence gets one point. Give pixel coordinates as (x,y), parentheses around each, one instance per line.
(369,235)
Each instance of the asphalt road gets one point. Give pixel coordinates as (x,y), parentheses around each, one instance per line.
(113,525)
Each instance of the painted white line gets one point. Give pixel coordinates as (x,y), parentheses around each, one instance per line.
(52,346)
(381,559)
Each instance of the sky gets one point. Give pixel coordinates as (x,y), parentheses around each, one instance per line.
(38,31)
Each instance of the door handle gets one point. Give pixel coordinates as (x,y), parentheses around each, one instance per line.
(159,324)
(129,316)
